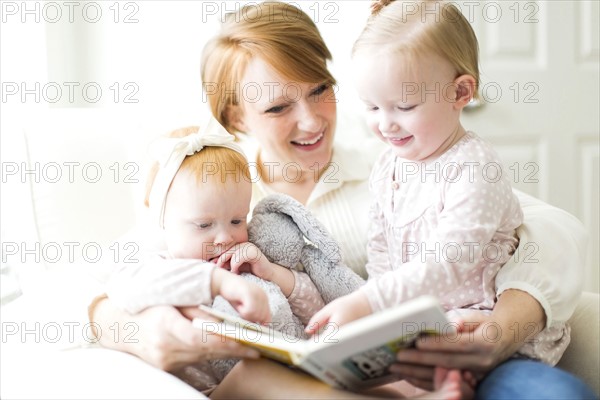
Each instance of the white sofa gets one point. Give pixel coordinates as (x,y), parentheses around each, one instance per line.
(42,331)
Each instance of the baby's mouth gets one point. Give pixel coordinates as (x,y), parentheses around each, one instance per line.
(219,253)
(215,259)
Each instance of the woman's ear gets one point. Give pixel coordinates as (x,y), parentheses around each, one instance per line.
(465,90)
(235,116)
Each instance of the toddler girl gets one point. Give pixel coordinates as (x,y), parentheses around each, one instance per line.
(444,217)
(444,214)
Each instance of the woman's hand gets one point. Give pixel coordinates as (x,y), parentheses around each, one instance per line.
(340,311)
(163,336)
(473,353)
(482,343)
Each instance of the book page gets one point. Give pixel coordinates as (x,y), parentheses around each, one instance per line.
(354,356)
(266,340)
(358,355)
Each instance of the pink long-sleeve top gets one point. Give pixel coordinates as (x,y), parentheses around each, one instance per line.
(445,227)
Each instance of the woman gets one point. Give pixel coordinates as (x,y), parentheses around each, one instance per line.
(266,76)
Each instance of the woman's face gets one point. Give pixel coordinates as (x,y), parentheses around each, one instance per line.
(293,122)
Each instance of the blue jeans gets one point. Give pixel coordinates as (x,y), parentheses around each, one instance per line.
(528,379)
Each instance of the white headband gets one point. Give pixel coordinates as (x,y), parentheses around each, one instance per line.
(170,153)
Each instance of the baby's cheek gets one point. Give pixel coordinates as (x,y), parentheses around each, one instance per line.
(202,250)
(373,125)
(242,237)
(191,249)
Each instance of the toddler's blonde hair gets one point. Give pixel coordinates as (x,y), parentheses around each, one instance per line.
(415,28)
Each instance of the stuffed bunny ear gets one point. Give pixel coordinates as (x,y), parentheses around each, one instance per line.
(310,227)
(331,279)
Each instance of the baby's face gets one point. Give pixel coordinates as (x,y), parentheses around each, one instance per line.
(204,219)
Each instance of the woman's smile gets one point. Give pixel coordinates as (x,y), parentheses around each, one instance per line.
(310,143)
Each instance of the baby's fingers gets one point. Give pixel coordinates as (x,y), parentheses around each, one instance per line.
(222,261)
(247,255)
(256,312)
(236,264)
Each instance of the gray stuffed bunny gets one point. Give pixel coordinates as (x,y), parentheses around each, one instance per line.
(290,236)
(279,227)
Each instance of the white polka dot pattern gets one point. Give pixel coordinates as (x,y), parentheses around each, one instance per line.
(445,228)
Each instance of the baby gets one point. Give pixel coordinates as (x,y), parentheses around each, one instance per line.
(199,196)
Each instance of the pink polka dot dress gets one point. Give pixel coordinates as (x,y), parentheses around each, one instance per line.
(444,227)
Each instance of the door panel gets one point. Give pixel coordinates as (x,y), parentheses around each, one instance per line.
(539,64)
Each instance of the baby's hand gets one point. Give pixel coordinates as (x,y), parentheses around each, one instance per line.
(246,257)
(247,298)
(340,311)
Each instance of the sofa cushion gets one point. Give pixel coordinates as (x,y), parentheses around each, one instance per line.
(93,373)
(582,357)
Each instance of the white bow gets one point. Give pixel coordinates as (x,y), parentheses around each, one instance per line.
(170,153)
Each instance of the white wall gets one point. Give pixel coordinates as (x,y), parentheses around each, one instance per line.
(144,58)
(152,53)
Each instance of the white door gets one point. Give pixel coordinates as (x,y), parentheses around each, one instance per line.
(540,73)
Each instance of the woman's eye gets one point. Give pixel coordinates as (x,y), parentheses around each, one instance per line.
(275,110)
(203,226)
(320,90)
(406,108)
(372,108)
(236,221)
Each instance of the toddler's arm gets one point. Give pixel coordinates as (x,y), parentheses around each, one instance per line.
(305,299)
(476,210)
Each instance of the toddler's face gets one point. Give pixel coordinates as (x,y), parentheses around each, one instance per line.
(411,108)
(203,220)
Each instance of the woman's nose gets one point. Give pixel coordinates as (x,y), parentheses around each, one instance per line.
(308,118)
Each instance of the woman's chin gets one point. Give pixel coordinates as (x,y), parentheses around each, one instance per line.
(314,162)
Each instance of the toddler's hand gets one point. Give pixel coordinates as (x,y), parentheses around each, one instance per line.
(247,298)
(246,257)
(340,311)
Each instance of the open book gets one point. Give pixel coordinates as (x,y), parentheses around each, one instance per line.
(354,356)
